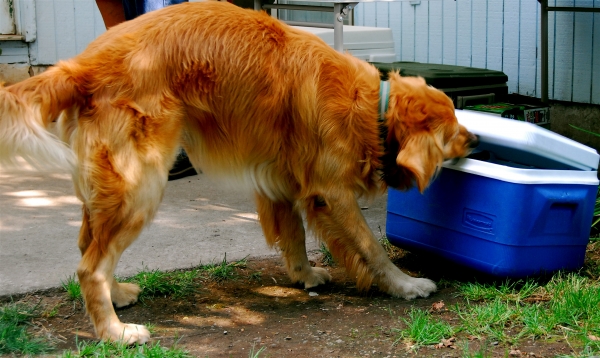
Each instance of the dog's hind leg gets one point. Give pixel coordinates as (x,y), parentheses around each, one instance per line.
(337,219)
(124,294)
(121,293)
(95,274)
(120,197)
(282,226)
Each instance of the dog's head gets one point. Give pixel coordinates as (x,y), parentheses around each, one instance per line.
(422,133)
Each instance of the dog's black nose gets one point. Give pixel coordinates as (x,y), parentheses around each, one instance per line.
(473,141)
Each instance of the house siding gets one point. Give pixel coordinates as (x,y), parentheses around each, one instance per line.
(13,52)
(64,29)
(501,35)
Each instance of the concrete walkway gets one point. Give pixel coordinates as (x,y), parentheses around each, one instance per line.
(198,222)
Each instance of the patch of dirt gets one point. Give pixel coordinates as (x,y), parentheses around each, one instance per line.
(234,317)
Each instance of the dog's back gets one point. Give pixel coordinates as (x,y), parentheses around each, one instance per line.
(229,76)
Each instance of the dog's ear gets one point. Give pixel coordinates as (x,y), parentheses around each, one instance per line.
(421,155)
(419,152)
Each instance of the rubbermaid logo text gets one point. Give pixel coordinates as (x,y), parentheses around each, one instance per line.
(479,221)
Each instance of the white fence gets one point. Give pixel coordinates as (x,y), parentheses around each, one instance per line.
(501,35)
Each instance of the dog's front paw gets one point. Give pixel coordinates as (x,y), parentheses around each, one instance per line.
(124,294)
(412,287)
(126,333)
(317,276)
(398,284)
(420,287)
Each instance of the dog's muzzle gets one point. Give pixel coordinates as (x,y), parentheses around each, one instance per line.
(473,141)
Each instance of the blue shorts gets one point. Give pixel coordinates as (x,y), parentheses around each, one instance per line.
(135,8)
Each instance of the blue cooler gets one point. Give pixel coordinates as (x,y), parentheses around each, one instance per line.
(522,205)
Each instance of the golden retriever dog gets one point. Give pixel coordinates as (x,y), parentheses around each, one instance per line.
(251,100)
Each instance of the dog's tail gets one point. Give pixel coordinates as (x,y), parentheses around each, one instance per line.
(26,110)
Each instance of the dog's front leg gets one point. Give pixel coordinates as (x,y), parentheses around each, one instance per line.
(282,226)
(337,219)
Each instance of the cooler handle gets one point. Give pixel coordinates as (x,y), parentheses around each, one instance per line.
(461,101)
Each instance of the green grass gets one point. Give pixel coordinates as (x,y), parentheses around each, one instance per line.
(536,323)
(73,289)
(180,283)
(596,220)
(490,320)
(565,308)
(394,252)
(255,276)
(256,354)
(15,318)
(575,302)
(422,329)
(155,283)
(223,270)
(113,349)
(507,290)
(326,256)
(387,245)
(480,353)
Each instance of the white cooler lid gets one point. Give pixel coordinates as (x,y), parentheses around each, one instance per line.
(373,44)
(520,175)
(527,144)
(356,37)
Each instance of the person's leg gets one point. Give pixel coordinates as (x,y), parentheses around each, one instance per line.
(135,8)
(115,12)
(182,167)
(112,12)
